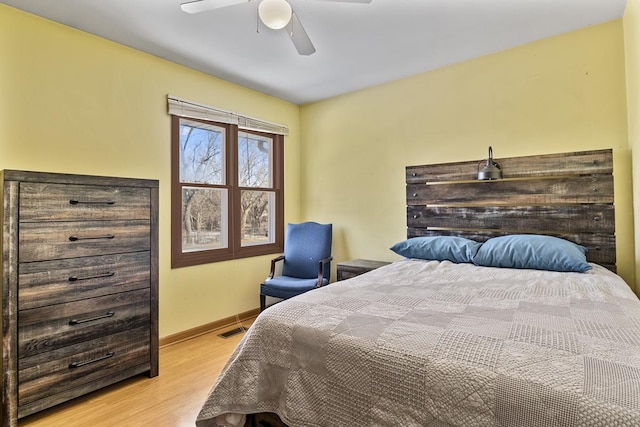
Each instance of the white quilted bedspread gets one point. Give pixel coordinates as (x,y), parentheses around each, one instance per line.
(420,343)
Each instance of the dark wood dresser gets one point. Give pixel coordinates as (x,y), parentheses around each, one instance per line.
(79,286)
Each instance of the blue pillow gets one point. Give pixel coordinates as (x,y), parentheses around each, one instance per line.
(439,248)
(532,251)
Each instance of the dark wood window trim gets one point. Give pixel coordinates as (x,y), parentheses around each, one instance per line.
(234,249)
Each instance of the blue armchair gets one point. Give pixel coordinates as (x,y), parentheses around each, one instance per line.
(306,263)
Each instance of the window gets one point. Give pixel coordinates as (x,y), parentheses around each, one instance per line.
(227,192)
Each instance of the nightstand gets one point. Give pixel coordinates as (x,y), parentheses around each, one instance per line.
(356,267)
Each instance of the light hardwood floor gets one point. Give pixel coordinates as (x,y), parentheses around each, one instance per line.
(188,370)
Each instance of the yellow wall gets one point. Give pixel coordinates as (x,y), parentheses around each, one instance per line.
(75,103)
(565,93)
(631,23)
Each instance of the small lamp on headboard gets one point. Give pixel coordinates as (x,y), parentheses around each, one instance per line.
(491,169)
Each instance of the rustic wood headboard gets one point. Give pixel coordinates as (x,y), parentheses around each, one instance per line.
(568,195)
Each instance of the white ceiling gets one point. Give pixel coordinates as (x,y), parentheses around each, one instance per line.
(358,45)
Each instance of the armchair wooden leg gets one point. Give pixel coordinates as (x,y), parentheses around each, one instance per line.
(263,302)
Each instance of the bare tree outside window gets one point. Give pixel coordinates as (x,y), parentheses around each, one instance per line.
(202,218)
(254,160)
(201,153)
(255,171)
(227,197)
(202,162)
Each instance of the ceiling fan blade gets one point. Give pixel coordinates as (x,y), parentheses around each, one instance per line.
(349,1)
(299,36)
(198,6)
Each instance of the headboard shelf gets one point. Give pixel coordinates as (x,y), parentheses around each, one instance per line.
(575,163)
(572,189)
(567,195)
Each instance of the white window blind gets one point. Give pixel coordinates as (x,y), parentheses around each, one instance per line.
(192,110)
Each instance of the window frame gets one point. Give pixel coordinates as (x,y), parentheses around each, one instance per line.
(235,250)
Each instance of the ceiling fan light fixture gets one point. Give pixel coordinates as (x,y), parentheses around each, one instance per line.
(275,14)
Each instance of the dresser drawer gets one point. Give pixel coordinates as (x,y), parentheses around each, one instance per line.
(55,282)
(58,240)
(68,202)
(56,371)
(53,327)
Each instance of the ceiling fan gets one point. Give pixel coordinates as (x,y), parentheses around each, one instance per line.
(275,14)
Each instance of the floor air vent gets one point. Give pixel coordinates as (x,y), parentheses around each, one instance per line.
(232,332)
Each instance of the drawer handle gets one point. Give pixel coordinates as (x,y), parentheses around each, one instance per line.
(76,238)
(97,276)
(88,362)
(91,319)
(91,202)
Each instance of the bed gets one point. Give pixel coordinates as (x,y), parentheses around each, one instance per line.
(439,343)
